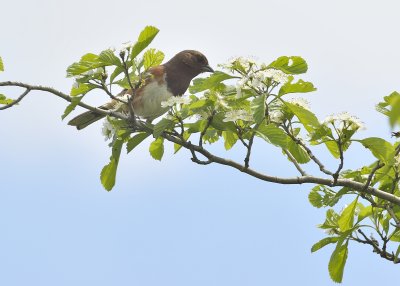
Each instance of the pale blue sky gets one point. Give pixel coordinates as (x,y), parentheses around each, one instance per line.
(176,223)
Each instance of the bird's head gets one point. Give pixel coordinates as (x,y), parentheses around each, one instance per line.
(193,61)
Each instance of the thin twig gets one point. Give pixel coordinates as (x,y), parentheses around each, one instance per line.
(309,152)
(373,171)
(17,100)
(340,167)
(295,163)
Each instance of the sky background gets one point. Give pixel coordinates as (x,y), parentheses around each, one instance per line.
(176,223)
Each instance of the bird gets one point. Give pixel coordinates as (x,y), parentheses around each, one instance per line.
(159,84)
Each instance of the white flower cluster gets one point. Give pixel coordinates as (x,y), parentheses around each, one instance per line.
(276,116)
(246,63)
(173,100)
(108,130)
(256,74)
(237,115)
(302,102)
(345,120)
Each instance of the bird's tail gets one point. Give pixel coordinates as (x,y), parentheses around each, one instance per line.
(85,119)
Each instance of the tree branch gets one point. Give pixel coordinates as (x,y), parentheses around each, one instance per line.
(304,179)
(17,100)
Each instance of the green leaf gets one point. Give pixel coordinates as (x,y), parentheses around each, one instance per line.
(108,58)
(157,148)
(396,236)
(115,73)
(219,123)
(135,141)
(87,62)
(273,135)
(306,117)
(4,100)
(145,38)
(290,65)
(337,262)
(177,147)
(323,242)
(108,174)
(213,80)
(82,88)
(152,58)
(1,65)
(396,256)
(315,199)
(380,148)
(333,148)
(258,107)
(74,102)
(298,152)
(364,212)
(346,219)
(299,87)
(230,139)
(162,125)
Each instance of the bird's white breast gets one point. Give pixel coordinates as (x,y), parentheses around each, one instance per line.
(149,106)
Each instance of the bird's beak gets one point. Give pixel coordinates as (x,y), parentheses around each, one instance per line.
(207,68)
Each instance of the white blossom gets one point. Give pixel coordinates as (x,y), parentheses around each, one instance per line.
(237,115)
(302,102)
(108,130)
(246,63)
(344,119)
(75,84)
(276,116)
(173,100)
(276,75)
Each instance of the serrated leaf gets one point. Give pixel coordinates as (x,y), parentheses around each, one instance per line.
(161,126)
(82,88)
(337,262)
(109,171)
(152,58)
(364,212)
(1,65)
(135,141)
(299,87)
(315,199)
(87,62)
(306,117)
(290,65)
(258,106)
(380,148)
(323,242)
(273,135)
(346,219)
(74,102)
(230,138)
(108,58)
(156,148)
(213,80)
(145,38)
(298,152)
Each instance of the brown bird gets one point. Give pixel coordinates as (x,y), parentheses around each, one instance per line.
(160,83)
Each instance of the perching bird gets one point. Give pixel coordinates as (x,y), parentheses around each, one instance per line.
(162,82)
